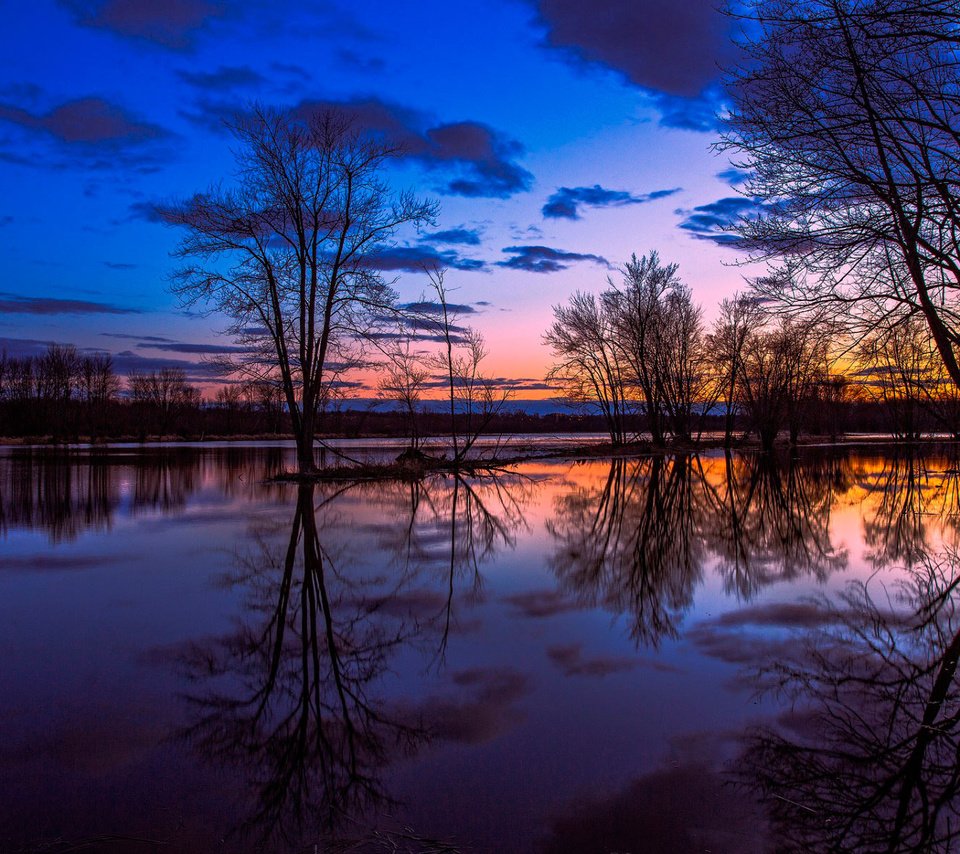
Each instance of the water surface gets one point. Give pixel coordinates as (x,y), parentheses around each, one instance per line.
(668,654)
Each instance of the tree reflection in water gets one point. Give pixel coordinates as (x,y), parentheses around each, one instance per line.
(867,761)
(293,696)
(630,546)
(913,490)
(67,492)
(768,518)
(638,544)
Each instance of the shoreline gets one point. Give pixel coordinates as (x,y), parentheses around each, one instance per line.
(423,465)
(417,466)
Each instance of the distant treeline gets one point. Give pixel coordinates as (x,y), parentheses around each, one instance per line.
(65,396)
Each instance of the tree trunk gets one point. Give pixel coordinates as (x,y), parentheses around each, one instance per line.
(306,462)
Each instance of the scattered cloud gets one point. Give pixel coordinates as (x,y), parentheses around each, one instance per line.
(119,265)
(788,615)
(734,176)
(461,235)
(525,385)
(544,259)
(416,259)
(713,221)
(726,644)
(21,347)
(5,220)
(172,23)
(422,337)
(225,78)
(661,45)
(84,121)
(192,349)
(476,159)
(84,133)
(125,336)
(51,562)
(15,304)
(672,50)
(487,711)
(146,211)
(685,808)
(565,203)
(486,154)
(437,308)
(697,114)
(127,362)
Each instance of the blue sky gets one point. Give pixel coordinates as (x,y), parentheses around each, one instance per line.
(558,138)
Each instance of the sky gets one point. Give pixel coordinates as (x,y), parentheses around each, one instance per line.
(558,138)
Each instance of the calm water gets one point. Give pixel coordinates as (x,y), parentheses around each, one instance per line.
(676,655)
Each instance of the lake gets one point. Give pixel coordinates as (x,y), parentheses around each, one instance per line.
(684,654)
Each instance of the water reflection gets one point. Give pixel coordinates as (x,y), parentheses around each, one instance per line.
(297,715)
(66,493)
(294,697)
(867,759)
(340,647)
(637,543)
(769,519)
(913,494)
(630,545)
(62,499)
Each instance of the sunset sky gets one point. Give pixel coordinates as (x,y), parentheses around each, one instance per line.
(558,136)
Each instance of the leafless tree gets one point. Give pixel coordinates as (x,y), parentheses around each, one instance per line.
(97,387)
(894,363)
(630,544)
(288,253)
(586,364)
(474,397)
(783,368)
(160,396)
(649,298)
(638,348)
(847,115)
(405,375)
(901,368)
(740,317)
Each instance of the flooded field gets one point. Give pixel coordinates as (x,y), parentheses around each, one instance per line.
(691,653)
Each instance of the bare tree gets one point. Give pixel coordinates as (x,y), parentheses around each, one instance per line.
(404,377)
(288,253)
(161,396)
(682,365)
(97,387)
(740,316)
(640,346)
(233,400)
(782,371)
(56,374)
(866,758)
(586,364)
(847,115)
(474,397)
(638,309)
(895,361)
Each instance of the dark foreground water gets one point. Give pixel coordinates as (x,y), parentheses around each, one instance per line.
(687,654)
